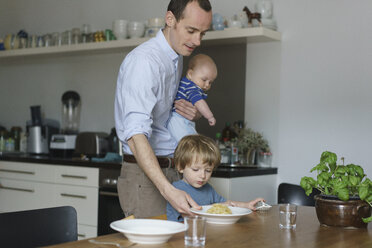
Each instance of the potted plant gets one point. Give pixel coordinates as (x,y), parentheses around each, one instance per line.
(251,142)
(346,193)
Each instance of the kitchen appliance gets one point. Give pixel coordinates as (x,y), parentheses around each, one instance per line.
(109,209)
(63,144)
(39,132)
(91,144)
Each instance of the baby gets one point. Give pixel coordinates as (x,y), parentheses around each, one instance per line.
(196,156)
(201,72)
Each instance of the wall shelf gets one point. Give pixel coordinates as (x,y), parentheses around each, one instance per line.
(227,36)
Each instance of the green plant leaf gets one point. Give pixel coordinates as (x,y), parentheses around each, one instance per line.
(363,192)
(320,167)
(329,158)
(366,220)
(359,170)
(343,194)
(308,183)
(353,180)
(340,170)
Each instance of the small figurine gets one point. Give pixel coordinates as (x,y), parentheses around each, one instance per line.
(252,16)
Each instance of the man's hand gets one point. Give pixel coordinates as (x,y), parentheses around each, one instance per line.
(181,201)
(187,110)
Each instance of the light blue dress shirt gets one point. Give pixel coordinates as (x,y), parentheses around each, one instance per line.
(146,88)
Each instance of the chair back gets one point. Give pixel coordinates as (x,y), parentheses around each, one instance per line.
(295,194)
(39,227)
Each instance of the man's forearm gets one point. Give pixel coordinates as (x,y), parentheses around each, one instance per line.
(148,162)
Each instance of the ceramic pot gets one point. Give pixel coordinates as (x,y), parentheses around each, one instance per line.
(332,211)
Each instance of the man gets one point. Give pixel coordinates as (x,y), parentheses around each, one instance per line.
(146,88)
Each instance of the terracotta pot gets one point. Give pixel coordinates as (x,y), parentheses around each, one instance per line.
(332,211)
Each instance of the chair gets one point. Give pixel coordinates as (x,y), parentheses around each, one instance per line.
(39,227)
(291,193)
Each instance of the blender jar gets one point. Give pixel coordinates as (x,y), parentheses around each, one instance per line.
(70,112)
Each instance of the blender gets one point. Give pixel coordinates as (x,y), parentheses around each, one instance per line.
(63,145)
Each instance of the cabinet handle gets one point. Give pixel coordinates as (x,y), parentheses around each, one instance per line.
(17,171)
(74,176)
(81,235)
(17,189)
(105,193)
(74,196)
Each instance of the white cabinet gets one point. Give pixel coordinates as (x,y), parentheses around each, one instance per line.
(246,188)
(25,186)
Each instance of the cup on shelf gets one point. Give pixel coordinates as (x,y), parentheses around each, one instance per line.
(119,27)
(76,37)
(31,41)
(136,29)
(56,39)
(67,37)
(156,22)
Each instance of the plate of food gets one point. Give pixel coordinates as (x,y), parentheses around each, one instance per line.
(221,214)
(148,231)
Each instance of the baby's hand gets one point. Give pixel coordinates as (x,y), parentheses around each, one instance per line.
(212,121)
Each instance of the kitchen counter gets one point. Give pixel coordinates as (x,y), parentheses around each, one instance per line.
(221,172)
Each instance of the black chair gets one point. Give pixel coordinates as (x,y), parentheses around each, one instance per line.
(39,227)
(291,193)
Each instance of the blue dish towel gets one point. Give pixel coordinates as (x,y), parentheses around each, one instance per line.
(110,157)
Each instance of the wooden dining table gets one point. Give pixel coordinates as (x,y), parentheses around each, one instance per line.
(258,229)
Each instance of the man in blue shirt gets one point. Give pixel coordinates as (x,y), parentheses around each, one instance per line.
(146,88)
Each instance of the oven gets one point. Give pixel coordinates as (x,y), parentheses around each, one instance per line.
(109,209)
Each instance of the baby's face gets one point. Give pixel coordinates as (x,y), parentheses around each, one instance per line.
(197,174)
(203,76)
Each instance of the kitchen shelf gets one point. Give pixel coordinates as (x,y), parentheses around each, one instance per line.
(227,36)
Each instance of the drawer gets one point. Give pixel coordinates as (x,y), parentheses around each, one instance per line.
(85,232)
(18,195)
(83,199)
(27,171)
(72,175)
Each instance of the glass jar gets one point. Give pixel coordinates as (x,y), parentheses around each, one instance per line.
(264,159)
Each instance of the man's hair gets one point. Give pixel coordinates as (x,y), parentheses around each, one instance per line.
(178,6)
(196,148)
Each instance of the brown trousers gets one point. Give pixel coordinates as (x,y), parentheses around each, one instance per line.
(138,195)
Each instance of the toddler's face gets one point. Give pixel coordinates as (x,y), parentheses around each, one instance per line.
(203,76)
(197,174)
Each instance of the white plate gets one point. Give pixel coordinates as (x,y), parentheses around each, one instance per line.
(147,231)
(237,213)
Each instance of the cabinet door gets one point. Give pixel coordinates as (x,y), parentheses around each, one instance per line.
(19,195)
(27,171)
(73,175)
(83,199)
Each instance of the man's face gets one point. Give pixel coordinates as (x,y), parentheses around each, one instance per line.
(185,35)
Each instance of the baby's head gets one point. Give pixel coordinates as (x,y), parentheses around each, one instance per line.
(202,71)
(196,156)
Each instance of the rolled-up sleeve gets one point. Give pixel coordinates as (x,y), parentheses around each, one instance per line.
(135,96)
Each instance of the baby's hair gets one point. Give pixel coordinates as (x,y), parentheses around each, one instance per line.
(196,147)
(200,59)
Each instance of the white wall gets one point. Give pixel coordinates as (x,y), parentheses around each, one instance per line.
(308,93)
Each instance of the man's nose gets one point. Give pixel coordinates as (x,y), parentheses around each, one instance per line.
(197,39)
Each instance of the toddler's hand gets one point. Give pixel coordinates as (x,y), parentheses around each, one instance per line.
(212,121)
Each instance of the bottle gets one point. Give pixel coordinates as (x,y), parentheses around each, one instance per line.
(218,139)
(16,134)
(234,153)
(226,132)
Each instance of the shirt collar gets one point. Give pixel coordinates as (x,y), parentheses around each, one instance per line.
(166,47)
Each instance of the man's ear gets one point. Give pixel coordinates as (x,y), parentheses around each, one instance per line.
(170,19)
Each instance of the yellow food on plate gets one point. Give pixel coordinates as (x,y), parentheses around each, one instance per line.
(218,208)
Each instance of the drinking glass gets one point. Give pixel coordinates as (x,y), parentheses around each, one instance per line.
(287,216)
(195,231)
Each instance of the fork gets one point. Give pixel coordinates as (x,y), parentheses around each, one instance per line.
(93,241)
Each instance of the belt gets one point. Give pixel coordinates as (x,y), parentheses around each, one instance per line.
(163,161)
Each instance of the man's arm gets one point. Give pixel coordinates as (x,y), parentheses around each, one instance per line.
(148,162)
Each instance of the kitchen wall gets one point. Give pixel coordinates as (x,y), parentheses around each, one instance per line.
(308,93)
